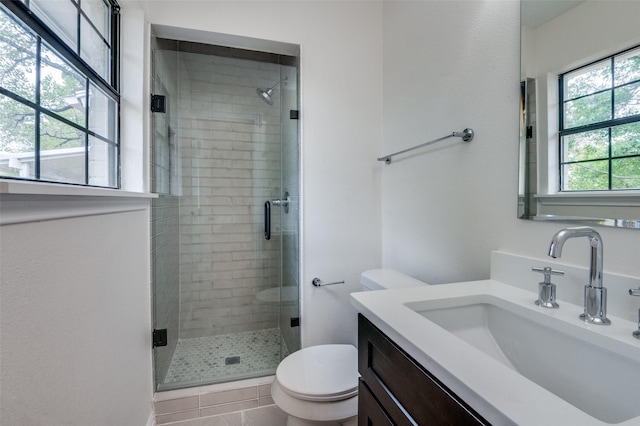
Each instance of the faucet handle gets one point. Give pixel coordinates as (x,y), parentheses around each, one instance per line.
(547,271)
(546,289)
(634,292)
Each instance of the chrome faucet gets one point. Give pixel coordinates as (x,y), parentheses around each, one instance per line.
(595,295)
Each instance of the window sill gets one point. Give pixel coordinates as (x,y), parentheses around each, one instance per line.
(24,202)
(41,188)
(619,199)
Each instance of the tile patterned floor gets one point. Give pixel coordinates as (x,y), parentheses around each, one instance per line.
(201,360)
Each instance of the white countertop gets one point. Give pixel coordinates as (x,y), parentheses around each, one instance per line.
(498,393)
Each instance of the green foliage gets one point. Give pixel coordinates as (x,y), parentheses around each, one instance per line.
(593,150)
(59,84)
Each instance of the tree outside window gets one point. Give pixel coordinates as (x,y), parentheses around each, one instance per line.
(58,117)
(600,125)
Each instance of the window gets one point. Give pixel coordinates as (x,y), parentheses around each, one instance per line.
(59,98)
(600,125)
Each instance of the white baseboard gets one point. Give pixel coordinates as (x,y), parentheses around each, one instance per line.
(151,421)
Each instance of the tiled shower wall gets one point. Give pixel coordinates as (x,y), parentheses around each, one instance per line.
(230,165)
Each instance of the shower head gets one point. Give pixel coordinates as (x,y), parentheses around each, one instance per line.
(265,95)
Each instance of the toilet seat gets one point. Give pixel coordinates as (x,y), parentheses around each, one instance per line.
(322,373)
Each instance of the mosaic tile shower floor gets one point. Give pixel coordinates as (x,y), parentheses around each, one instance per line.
(202,359)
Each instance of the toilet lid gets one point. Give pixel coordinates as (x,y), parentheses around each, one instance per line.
(320,373)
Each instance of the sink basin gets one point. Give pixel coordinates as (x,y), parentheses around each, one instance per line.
(591,371)
(513,362)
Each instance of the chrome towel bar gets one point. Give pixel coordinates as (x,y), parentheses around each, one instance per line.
(318,282)
(466,135)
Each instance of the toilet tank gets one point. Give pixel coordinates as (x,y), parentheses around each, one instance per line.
(383,279)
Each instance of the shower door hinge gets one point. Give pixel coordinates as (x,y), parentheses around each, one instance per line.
(158,103)
(160,337)
(529,132)
(295,322)
(294,114)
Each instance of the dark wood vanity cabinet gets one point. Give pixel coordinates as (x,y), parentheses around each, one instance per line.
(396,390)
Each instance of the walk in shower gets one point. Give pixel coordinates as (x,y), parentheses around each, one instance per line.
(225,225)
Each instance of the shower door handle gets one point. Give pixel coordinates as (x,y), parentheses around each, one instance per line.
(267,220)
(284,203)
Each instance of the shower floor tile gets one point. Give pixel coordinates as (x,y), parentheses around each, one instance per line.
(202,360)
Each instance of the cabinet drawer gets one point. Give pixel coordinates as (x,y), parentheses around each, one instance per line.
(370,413)
(406,391)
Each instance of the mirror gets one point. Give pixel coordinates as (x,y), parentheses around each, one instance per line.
(559,36)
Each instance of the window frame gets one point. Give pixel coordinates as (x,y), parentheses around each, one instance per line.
(605,124)
(45,35)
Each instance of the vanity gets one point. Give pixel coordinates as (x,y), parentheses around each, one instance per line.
(483,352)
(395,390)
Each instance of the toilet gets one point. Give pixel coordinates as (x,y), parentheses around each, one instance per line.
(318,385)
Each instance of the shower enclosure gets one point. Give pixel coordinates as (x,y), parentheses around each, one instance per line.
(225,225)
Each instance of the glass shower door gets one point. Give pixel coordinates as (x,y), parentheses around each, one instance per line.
(165,219)
(226,295)
(290,220)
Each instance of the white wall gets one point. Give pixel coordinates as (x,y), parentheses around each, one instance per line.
(341,73)
(75,322)
(447,66)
